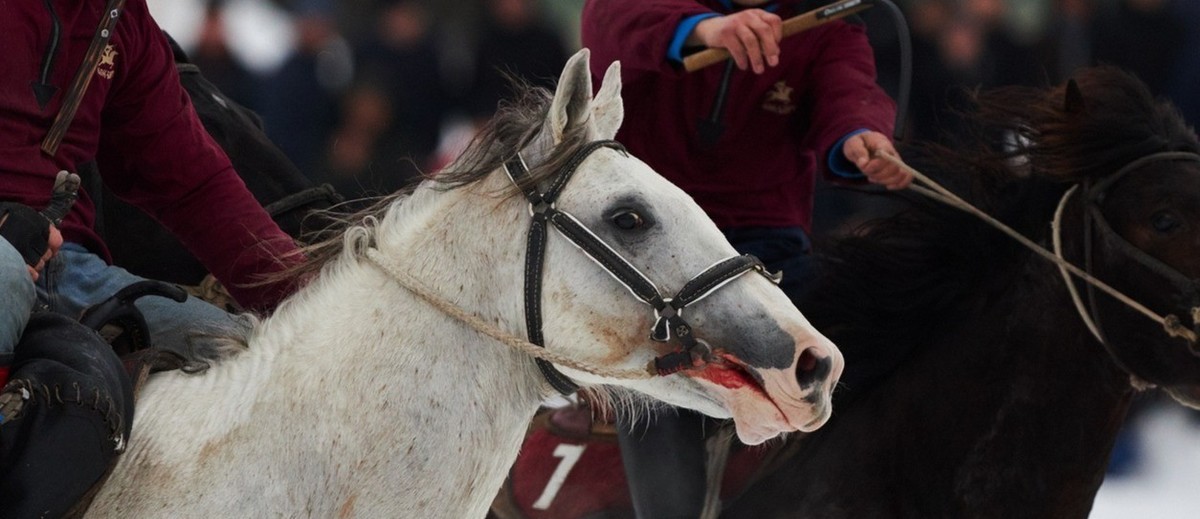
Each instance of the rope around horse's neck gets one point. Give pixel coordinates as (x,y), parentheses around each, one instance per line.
(935,191)
(416,287)
(1056,234)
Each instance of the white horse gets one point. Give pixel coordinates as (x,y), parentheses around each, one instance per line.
(359,398)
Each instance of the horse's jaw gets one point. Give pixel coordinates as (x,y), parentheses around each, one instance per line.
(765,403)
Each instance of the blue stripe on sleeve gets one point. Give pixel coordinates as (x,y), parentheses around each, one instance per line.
(675,51)
(838,163)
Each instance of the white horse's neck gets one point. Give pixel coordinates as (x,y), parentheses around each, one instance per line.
(355,397)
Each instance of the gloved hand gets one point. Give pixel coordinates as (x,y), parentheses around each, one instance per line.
(26,230)
(35,235)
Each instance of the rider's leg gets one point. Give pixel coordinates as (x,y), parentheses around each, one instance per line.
(664,464)
(786,250)
(17,297)
(665,460)
(75,416)
(77,279)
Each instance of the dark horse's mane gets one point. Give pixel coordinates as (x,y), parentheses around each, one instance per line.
(893,281)
(515,125)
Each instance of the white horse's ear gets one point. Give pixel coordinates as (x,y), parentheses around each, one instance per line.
(572,98)
(608,111)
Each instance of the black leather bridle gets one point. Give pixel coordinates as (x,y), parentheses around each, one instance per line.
(668,312)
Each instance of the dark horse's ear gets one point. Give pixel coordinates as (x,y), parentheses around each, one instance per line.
(1074,100)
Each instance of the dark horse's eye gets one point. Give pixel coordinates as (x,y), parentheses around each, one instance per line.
(628,220)
(1164,221)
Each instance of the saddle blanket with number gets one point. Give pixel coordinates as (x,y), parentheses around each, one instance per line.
(570,468)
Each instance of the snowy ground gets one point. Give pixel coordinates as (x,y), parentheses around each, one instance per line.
(1166,483)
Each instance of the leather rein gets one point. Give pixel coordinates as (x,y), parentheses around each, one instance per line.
(669,323)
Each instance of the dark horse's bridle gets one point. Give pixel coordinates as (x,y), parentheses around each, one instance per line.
(1094,220)
(668,312)
(1094,217)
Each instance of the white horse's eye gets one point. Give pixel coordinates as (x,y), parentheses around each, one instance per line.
(628,220)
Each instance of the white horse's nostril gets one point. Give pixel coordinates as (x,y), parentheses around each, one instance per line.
(807,362)
(811,369)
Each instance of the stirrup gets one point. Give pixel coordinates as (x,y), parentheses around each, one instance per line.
(122,325)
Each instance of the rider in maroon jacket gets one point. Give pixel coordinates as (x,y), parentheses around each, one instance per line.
(67,409)
(798,107)
(137,122)
(782,122)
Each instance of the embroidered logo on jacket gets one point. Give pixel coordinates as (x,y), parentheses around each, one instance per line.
(779,99)
(108,62)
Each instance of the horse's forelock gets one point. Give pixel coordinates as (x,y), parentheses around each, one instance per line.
(1120,121)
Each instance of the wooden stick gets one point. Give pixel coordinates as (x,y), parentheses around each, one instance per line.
(793,25)
(83,77)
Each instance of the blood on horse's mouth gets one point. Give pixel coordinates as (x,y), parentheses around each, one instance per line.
(733,374)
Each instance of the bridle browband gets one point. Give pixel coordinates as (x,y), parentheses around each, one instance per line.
(668,312)
(1093,218)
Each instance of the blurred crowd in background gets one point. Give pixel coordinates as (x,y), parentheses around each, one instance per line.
(367,95)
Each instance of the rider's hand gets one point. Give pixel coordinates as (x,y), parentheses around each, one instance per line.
(863,150)
(52,247)
(31,234)
(751,37)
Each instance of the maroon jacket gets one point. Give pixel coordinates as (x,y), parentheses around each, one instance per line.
(138,123)
(779,126)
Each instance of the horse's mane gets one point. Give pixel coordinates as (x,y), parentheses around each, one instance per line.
(894,281)
(516,124)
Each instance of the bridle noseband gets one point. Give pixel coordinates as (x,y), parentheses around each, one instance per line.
(1093,218)
(668,312)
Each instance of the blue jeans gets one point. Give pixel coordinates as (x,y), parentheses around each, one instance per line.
(76,279)
(17,297)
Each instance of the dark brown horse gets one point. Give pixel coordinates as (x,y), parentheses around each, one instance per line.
(999,402)
(1005,405)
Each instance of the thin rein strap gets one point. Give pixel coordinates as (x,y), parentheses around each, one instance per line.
(1055,230)
(412,285)
(935,191)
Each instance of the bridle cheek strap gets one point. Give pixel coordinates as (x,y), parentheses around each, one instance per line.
(541,207)
(669,323)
